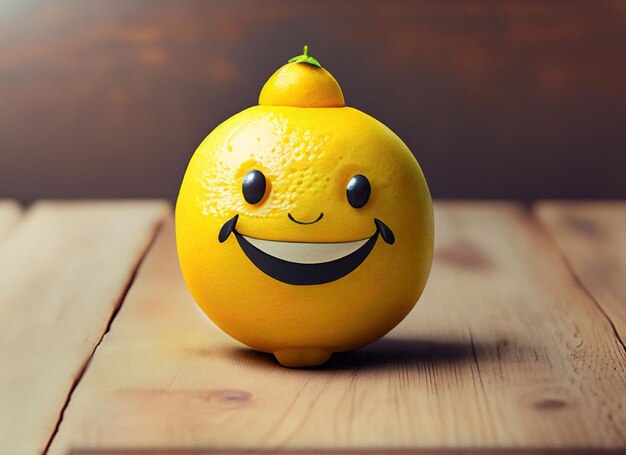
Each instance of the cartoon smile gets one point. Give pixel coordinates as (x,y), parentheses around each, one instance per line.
(306,263)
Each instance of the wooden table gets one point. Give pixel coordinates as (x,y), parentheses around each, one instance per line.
(516,345)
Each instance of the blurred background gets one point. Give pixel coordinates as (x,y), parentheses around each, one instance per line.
(522,99)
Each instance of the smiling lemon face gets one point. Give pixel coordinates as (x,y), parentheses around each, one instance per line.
(304,231)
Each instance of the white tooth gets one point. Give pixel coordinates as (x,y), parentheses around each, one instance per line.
(306,253)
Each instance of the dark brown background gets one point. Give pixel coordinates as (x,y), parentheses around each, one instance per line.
(496,99)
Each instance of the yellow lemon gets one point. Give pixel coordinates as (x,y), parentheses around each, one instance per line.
(304,227)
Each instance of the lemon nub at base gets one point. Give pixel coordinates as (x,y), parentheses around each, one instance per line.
(302,357)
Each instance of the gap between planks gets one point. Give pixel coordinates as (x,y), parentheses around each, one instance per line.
(116,310)
(591,237)
(63,269)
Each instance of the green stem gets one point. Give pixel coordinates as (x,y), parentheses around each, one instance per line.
(305,58)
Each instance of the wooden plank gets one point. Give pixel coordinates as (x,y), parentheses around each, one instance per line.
(433,451)
(10,211)
(592,239)
(62,275)
(504,351)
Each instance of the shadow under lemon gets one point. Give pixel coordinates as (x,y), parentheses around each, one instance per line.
(389,352)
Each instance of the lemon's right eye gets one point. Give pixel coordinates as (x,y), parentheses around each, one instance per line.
(253,187)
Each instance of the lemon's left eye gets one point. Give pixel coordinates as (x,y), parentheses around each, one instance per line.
(358,191)
(253,187)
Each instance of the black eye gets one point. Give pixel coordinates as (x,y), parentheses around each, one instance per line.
(358,191)
(253,187)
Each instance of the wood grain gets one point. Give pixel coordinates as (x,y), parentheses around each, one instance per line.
(10,212)
(504,351)
(62,275)
(592,238)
